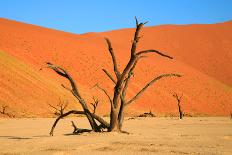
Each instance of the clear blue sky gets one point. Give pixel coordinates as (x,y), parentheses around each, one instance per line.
(81,16)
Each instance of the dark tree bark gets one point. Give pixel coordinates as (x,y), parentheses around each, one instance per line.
(178,98)
(78,130)
(121,81)
(3,111)
(59,109)
(94,104)
(76,93)
(4,107)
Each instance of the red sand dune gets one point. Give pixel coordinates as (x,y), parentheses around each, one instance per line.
(202,55)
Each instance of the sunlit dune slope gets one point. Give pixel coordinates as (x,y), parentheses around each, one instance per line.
(25,92)
(202,55)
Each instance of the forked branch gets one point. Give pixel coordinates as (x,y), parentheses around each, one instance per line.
(59,109)
(64,115)
(79,130)
(104,124)
(178,98)
(94,104)
(76,93)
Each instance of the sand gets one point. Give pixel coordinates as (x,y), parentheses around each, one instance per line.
(164,135)
(205,85)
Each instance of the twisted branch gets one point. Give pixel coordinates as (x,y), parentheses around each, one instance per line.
(153,51)
(148,85)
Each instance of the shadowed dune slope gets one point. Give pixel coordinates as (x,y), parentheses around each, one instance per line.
(202,55)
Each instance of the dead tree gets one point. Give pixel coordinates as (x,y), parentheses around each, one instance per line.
(121,81)
(59,108)
(230,115)
(94,104)
(147,114)
(4,107)
(178,98)
(3,111)
(78,130)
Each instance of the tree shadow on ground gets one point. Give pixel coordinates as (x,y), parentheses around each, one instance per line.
(15,137)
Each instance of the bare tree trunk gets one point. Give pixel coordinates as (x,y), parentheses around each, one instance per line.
(123,78)
(114,123)
(121,116)
(76,94)
(178,98)
(121,81)
(180,110)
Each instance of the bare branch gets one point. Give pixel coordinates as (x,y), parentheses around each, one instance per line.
(149,84)
(59,109)
(65,87)
(64,115)
(127,80)
(79,130)
(116,71)
(177,96)
(108,74)
(153,51)
(134,56)
(181,96)
(57,69)
(105,92)
(101,120)
(65,74)
(136,20)
(53,107)
(94,104)
(145,23)
(76,93)
(136,38)
(130,74)
(120,82)
(74,126)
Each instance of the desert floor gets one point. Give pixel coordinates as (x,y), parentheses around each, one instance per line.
(193,135)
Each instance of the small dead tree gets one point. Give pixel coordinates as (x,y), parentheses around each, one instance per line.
(147,114)
(94,104)
(230,115)
(59,109)
(3,111)
(121,82)
(178,98)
